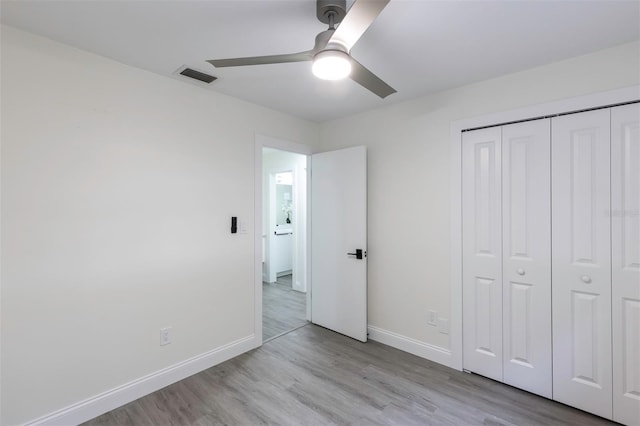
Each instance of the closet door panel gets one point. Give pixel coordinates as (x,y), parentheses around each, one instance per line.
(625,251)
(481,252)
(526,218)
(581,264)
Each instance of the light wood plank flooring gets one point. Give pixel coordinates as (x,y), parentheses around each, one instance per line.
(283,309)
(313,376)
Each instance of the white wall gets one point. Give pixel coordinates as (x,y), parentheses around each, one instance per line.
(409,172)
(117,190)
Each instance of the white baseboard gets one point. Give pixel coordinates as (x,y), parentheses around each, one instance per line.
(114,398)
(407,344)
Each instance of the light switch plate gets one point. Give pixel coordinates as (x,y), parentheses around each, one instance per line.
(242,226)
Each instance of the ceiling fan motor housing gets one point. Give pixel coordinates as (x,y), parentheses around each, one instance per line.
(326,8)
(322,43)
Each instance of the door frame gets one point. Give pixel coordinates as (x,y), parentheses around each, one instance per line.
(549,109)
(263,141)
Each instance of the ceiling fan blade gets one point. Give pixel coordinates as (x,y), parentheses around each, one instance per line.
(262,60)
(358,19)
(369,80)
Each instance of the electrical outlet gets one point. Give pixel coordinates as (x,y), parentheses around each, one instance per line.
(443,325)
(433,318)
(165,336)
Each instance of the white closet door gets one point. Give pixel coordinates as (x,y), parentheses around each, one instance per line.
(481,252)
(581,265)
(625,251)
(526,219)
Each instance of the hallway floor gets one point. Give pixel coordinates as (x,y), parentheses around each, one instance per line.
(283,309)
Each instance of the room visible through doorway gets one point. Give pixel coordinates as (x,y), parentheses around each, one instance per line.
(284,266)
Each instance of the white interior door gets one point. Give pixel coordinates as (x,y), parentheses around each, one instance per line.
(339,227)
(625,258)
(581,266)
(482,252)
(526,265)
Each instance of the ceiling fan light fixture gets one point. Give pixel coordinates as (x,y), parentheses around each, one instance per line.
(331,65)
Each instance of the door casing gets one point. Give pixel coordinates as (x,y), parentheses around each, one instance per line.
(262,141)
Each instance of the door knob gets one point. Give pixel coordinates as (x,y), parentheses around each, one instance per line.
(520,271)
(586,279)
(359,254)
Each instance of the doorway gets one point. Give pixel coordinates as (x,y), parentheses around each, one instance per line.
(284,242)
(339,246)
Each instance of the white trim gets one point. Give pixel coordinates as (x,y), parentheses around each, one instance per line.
(455,325)
(258,233)
(407,344)
(626,94)
(92,407)
(281,144)
(309,237)
(262,141)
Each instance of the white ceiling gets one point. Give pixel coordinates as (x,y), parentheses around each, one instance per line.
(416,46)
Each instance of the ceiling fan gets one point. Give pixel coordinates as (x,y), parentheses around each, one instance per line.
(331,54)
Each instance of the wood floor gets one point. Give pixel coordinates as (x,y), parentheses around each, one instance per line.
(313,376)
(283,309)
